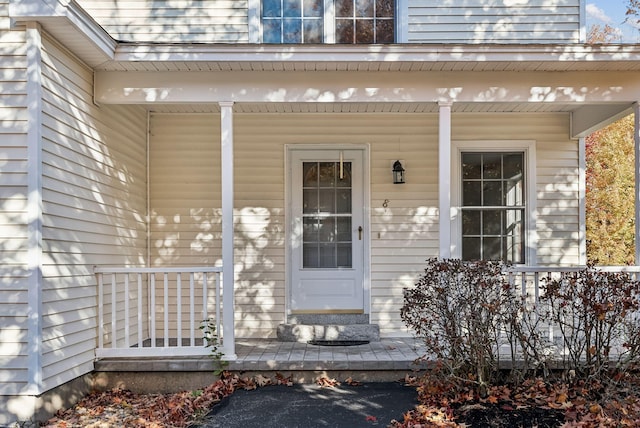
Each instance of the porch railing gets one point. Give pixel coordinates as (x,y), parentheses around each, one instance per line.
(530,279)
(157,311)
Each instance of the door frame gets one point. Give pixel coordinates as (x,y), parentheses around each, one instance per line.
(366,215)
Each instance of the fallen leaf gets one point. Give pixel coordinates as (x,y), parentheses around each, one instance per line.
(410,380)
(349,381)
(327,383)
(262,380)
(281,380)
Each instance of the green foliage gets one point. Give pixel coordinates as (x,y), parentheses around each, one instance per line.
(210,337)
(610,194)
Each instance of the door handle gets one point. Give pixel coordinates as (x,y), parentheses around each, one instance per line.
(359,233)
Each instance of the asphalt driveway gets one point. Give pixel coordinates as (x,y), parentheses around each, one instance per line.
(309,406)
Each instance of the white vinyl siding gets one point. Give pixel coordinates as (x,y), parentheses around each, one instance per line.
(557,174)
(13,209)
(185,197)
(94,207)
(167,21)
(184,200)
(412,213)
(185,204)
(418,21)
(482,21)
(402,235)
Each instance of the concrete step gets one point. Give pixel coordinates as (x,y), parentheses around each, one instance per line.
(307,332)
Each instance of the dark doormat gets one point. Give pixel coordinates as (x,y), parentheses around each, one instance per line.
(338,342)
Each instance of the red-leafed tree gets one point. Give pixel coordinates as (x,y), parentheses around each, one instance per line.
(633,11)
(600,35)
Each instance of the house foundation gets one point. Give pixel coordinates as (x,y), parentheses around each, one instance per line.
(29,410)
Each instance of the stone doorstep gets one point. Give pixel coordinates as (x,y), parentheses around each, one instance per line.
(307,332)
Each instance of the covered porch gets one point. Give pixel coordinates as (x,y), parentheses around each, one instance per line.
(582,85)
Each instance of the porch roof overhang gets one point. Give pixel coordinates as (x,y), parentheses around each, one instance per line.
(596,84)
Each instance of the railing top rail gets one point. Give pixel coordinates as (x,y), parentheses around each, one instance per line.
(554,269)
(172,269)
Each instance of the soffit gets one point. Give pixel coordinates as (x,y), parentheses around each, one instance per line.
(421,58)
(70,25)
(390,107)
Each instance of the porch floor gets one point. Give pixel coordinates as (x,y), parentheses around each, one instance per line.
(272,355)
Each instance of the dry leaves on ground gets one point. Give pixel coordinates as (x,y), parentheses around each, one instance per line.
(454,403)
(119,408)
(443,403)
(325,382)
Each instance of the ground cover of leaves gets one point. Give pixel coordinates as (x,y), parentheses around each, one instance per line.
(443,402)
(123,408)
(447,402)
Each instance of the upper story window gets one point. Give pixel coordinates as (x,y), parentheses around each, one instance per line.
(292,21)
(328,21)
(364,21)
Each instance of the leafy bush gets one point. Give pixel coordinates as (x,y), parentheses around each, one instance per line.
(596,314)
(472,319)
(458,309)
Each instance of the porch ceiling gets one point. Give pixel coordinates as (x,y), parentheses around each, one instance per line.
(584,118)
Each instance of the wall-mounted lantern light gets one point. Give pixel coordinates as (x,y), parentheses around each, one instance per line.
(398,173)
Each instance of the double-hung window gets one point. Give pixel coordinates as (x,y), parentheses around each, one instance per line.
(493,205)
(328,21)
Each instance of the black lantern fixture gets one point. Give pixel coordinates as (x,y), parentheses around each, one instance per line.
(398,173)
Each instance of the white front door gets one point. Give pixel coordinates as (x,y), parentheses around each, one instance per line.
(327,237)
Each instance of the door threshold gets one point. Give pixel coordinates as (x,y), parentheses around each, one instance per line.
(322,342)
(328,312)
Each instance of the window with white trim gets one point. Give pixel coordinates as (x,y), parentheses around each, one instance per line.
(328,21)
(493,206)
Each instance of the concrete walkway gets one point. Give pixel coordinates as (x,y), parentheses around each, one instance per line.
(387,360)
(266,354)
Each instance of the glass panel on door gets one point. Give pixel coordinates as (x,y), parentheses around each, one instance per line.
(326,215)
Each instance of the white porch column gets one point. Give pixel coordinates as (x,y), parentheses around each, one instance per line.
(444,178)
(582,201)
(636,140)
(34,206)
(228,276)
